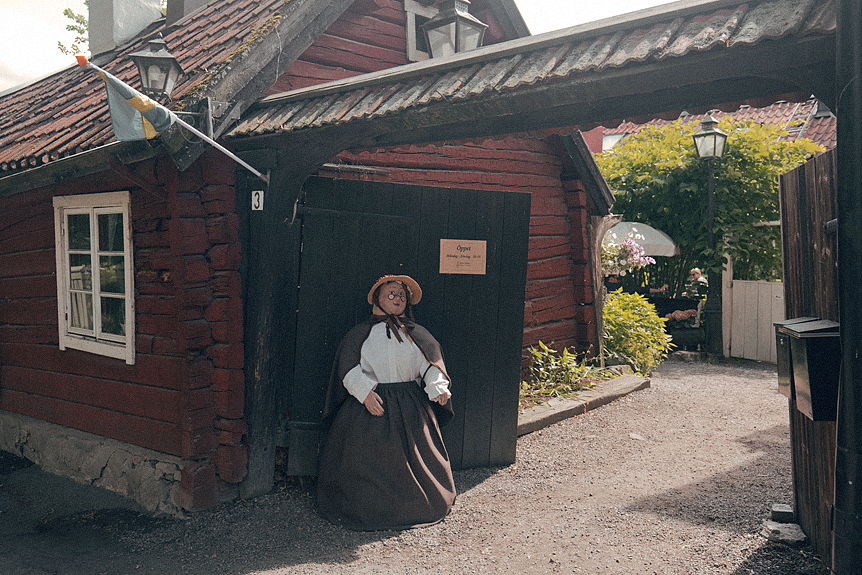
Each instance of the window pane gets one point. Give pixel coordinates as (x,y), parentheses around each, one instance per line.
(112,274)
(80,272)
(110,232)
(82,311)
(114,315)
(79,231)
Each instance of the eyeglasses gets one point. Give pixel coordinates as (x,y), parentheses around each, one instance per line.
(401,296)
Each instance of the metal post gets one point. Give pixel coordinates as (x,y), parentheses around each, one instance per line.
(712,310)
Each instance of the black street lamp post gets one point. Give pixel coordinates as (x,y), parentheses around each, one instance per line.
(709,142)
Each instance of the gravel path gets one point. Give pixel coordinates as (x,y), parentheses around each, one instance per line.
(675,479)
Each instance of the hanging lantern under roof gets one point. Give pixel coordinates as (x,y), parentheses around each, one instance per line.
(453,29)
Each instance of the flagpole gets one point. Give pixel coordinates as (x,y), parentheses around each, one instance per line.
(83,62)
(220,148)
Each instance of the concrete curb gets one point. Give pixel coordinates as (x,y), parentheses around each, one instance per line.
(555,410)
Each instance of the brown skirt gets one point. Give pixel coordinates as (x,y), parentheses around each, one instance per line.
(388,472)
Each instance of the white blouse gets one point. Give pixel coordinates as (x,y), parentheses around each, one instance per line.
(385,360)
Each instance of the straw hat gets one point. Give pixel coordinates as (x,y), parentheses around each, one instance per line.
(413,290)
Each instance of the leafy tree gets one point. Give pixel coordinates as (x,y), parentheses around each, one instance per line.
(657,180)
(79,27)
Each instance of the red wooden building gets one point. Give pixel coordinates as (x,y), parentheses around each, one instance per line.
(188,373)
(168,388)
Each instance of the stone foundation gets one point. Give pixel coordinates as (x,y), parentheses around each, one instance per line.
(150,478)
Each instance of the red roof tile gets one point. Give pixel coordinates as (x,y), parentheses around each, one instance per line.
(800,119)
(67,112)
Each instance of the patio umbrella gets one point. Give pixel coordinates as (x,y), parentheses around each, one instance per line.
(654,242)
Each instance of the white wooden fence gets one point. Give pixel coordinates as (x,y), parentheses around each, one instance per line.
(749,311)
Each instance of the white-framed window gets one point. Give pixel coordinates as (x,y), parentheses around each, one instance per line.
(417,14)
(95,274)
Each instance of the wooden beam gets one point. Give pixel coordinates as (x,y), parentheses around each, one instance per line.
(269,291)
(251,73)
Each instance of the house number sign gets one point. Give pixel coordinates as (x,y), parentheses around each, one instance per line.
(462,257)
(257,200)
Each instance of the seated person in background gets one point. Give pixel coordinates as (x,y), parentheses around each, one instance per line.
(697,285)
(612,283)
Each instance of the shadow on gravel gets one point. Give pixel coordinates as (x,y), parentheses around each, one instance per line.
(277,531)
(738,501)
(779,559)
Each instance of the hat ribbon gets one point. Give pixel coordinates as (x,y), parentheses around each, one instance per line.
(392,325)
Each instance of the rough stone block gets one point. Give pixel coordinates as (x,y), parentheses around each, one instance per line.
(782,513)
(787,533)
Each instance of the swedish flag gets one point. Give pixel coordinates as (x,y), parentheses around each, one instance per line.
(133,115)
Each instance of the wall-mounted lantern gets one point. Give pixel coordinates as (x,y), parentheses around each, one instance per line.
(158,69)
(453,29)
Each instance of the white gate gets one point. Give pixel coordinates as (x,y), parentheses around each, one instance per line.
(750,309)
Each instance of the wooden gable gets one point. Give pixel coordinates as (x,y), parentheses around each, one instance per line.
(370,36)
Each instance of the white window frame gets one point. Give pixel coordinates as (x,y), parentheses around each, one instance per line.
(413,8)
(94,341)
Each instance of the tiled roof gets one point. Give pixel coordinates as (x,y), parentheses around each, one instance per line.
(801,120)
(683,27)
(67,112)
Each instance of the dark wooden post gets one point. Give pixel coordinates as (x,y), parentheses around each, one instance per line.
(847,510)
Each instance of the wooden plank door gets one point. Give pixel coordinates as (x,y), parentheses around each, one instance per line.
(354,232)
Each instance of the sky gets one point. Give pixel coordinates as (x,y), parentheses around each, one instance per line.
(30,29)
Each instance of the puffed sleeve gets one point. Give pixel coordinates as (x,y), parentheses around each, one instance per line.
(435,381)
(358,383)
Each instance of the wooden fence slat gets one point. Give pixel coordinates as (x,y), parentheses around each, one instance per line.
(765,333)
(755,307)
(750,330)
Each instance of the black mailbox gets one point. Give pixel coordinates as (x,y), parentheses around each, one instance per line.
(815,353)
(782,354)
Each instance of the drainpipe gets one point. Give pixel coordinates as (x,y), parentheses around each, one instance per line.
(847,508)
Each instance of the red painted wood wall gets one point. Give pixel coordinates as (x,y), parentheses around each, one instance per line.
(370,36)
(184,395)
(559,302)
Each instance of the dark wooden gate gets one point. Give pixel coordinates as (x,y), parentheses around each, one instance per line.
(354,232)
(808,204)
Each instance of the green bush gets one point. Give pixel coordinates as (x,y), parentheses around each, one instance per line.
(633,332)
